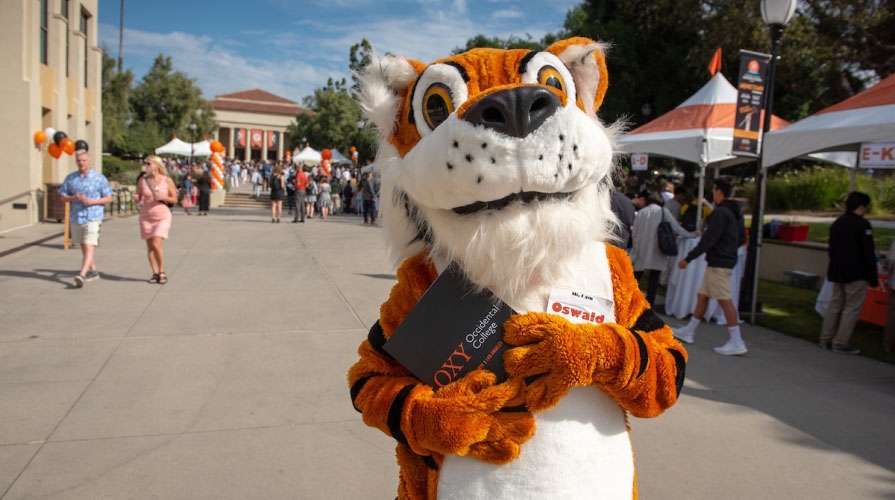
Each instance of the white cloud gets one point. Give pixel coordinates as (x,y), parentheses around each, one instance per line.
(507,14)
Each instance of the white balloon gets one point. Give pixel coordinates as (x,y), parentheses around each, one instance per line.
(50,131)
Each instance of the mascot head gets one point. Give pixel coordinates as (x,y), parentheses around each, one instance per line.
(494,159)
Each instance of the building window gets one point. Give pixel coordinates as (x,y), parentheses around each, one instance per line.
(67,38)
(44,20)
(85,18)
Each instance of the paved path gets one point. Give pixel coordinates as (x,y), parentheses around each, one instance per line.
(229,381)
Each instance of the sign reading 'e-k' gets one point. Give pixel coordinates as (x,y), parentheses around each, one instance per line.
(877,155)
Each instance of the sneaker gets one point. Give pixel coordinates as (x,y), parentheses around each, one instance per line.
(823,346)
(91,275)
(79,281)
(846,350)
(730,349)
(684,335)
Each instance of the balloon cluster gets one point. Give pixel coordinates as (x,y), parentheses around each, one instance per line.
(354,155)
(217,165)
(326,157)
(59,142)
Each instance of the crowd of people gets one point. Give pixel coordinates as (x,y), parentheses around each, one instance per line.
(310,192)
(721,231)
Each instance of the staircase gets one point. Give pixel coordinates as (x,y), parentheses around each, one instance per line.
(241,197)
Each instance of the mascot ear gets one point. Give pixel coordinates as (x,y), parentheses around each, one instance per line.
(384,84)
(586,61)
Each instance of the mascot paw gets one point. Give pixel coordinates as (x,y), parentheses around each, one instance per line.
(551,354)
(464,418)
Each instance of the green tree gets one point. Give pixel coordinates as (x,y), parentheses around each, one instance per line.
(333,122)
(116,89)
(170,101)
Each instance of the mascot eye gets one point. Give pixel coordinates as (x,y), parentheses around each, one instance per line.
(549,76)
(437,104)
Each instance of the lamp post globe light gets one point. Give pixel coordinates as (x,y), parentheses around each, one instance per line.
(776,14)
(192,141)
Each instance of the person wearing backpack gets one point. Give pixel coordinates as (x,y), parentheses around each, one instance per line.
(724,234)
(645,252)
(310,197)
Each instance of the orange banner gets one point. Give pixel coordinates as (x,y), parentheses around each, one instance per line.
(256,137)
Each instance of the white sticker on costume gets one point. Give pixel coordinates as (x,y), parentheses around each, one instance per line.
(579,307)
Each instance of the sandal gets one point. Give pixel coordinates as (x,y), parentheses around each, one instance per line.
(154,279)
(162,278)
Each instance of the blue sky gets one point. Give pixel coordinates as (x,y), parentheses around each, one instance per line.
(291,48)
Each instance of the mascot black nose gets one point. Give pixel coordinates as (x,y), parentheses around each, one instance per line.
(515,112)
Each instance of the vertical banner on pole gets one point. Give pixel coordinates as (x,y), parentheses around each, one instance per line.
(750,97)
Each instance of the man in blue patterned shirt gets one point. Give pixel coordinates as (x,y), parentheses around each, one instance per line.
(88,191)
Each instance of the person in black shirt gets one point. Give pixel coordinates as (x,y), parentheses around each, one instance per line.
(724,234)
(851,270)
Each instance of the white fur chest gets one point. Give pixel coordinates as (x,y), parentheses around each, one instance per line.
(580,449)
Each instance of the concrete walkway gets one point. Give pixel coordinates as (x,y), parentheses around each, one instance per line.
(229,382)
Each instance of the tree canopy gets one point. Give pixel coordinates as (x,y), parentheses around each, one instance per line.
(660,49)
(139,118)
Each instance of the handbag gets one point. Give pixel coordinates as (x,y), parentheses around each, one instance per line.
(667,240)
(169,205)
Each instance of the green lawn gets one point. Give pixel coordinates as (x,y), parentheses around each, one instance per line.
(790,311)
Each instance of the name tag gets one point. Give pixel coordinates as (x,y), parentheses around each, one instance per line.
(579,307)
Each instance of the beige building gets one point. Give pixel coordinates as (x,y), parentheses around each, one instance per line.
(252,124)
(51,78)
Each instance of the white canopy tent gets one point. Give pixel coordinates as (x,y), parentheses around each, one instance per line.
(339,158)
(868,116)
(307,155)
(174,147)
(699,130)
(202,148)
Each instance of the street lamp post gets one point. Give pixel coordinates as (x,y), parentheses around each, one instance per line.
(192,141)
(776,15)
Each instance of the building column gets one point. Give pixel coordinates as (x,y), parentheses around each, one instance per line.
(231,146)
(280,146)
(264,144)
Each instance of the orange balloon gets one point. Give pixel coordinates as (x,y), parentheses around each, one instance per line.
(67,145)
(353,149)
(54,150)
(39,137)
(326,154)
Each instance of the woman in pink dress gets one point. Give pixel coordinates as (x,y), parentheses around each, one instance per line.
(155,190)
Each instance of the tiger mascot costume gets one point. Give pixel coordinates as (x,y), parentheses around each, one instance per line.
(495,160)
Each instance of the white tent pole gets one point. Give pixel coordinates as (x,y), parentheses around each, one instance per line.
(701,195)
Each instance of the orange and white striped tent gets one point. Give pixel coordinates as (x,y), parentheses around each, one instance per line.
(868,116)
(699,130)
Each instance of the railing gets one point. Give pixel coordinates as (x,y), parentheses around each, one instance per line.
(122,202)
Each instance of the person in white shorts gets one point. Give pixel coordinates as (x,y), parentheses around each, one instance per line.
(724,234)
(88,192)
